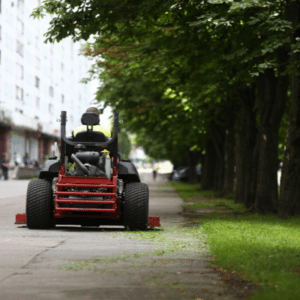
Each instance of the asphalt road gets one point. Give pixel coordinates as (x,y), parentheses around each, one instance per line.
(68,262)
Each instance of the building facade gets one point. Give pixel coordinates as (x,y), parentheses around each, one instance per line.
(37,82)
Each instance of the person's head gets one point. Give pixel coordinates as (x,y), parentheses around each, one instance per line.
(93,110)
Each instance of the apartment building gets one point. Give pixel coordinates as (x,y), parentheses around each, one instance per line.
(37,81)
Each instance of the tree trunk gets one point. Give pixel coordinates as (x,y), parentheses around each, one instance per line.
(246,141)
(253,184)
(240,158)
(229,148)
(193,161)
(272,96)
(208,166)
(248,99)
(289,203)
(219,176)
(217,134)
(229,162)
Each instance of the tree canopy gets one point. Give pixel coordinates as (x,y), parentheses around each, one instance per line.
(182,73)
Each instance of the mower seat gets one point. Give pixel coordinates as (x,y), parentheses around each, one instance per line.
(90,136)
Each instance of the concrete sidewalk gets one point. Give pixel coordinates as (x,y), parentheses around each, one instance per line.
(170,262)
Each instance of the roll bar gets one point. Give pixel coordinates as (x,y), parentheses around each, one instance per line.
(63,118)
(65,140)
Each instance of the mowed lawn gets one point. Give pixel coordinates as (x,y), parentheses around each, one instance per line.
(261,248)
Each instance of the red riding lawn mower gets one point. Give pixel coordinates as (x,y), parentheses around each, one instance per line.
(99,190)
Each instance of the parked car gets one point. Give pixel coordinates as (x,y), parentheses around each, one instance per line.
(182,174)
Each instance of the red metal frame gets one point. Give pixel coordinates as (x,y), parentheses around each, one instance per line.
(20,219)
(88,182)
(152,221)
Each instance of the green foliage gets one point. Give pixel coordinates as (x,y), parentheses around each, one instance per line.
(70,167)
(188,191)
(124,144)
(250,246)
(169,68)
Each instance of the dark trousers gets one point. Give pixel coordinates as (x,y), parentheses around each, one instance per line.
(5,173)
(154,175)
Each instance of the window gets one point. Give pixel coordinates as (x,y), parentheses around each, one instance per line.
(79,98)
(37,102)
(20,48)
(51,91)
(51,64)
(50,108)
(62,66)
(19,93)
(37,82)
(0,32)
(19,110)
(20,27)
(9,42)
(62,99)
(20,71)
(37,62)
(21,5)
(36,117)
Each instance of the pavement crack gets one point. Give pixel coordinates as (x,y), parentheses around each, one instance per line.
(36,256)
(7,277)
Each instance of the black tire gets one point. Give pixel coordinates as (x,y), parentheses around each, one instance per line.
(136,206)
(39,205)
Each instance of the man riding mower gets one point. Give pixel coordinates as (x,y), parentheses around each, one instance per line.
(102,189)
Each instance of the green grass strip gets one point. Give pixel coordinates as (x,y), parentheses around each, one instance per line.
(264,248)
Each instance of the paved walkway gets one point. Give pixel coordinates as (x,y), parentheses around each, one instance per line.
(110,263)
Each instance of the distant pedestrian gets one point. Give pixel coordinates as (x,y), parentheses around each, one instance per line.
(25,159)
(36,164)
(5,167)
(16,159)
(154,173)
(1,172)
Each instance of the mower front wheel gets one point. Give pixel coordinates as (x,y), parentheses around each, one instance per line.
(39,207)
(136,206)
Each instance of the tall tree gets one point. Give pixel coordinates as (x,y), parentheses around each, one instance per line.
(150,46)
(289,203)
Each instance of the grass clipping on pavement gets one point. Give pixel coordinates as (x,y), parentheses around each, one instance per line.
(261,248)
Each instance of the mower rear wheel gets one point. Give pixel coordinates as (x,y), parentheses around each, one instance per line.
(39,207)
(136,206)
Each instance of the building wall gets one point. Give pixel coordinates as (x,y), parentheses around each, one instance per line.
(38,80)
(5,141)
(41,150)
(18,143)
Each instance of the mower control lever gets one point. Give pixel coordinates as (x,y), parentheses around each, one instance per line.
(80,164)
